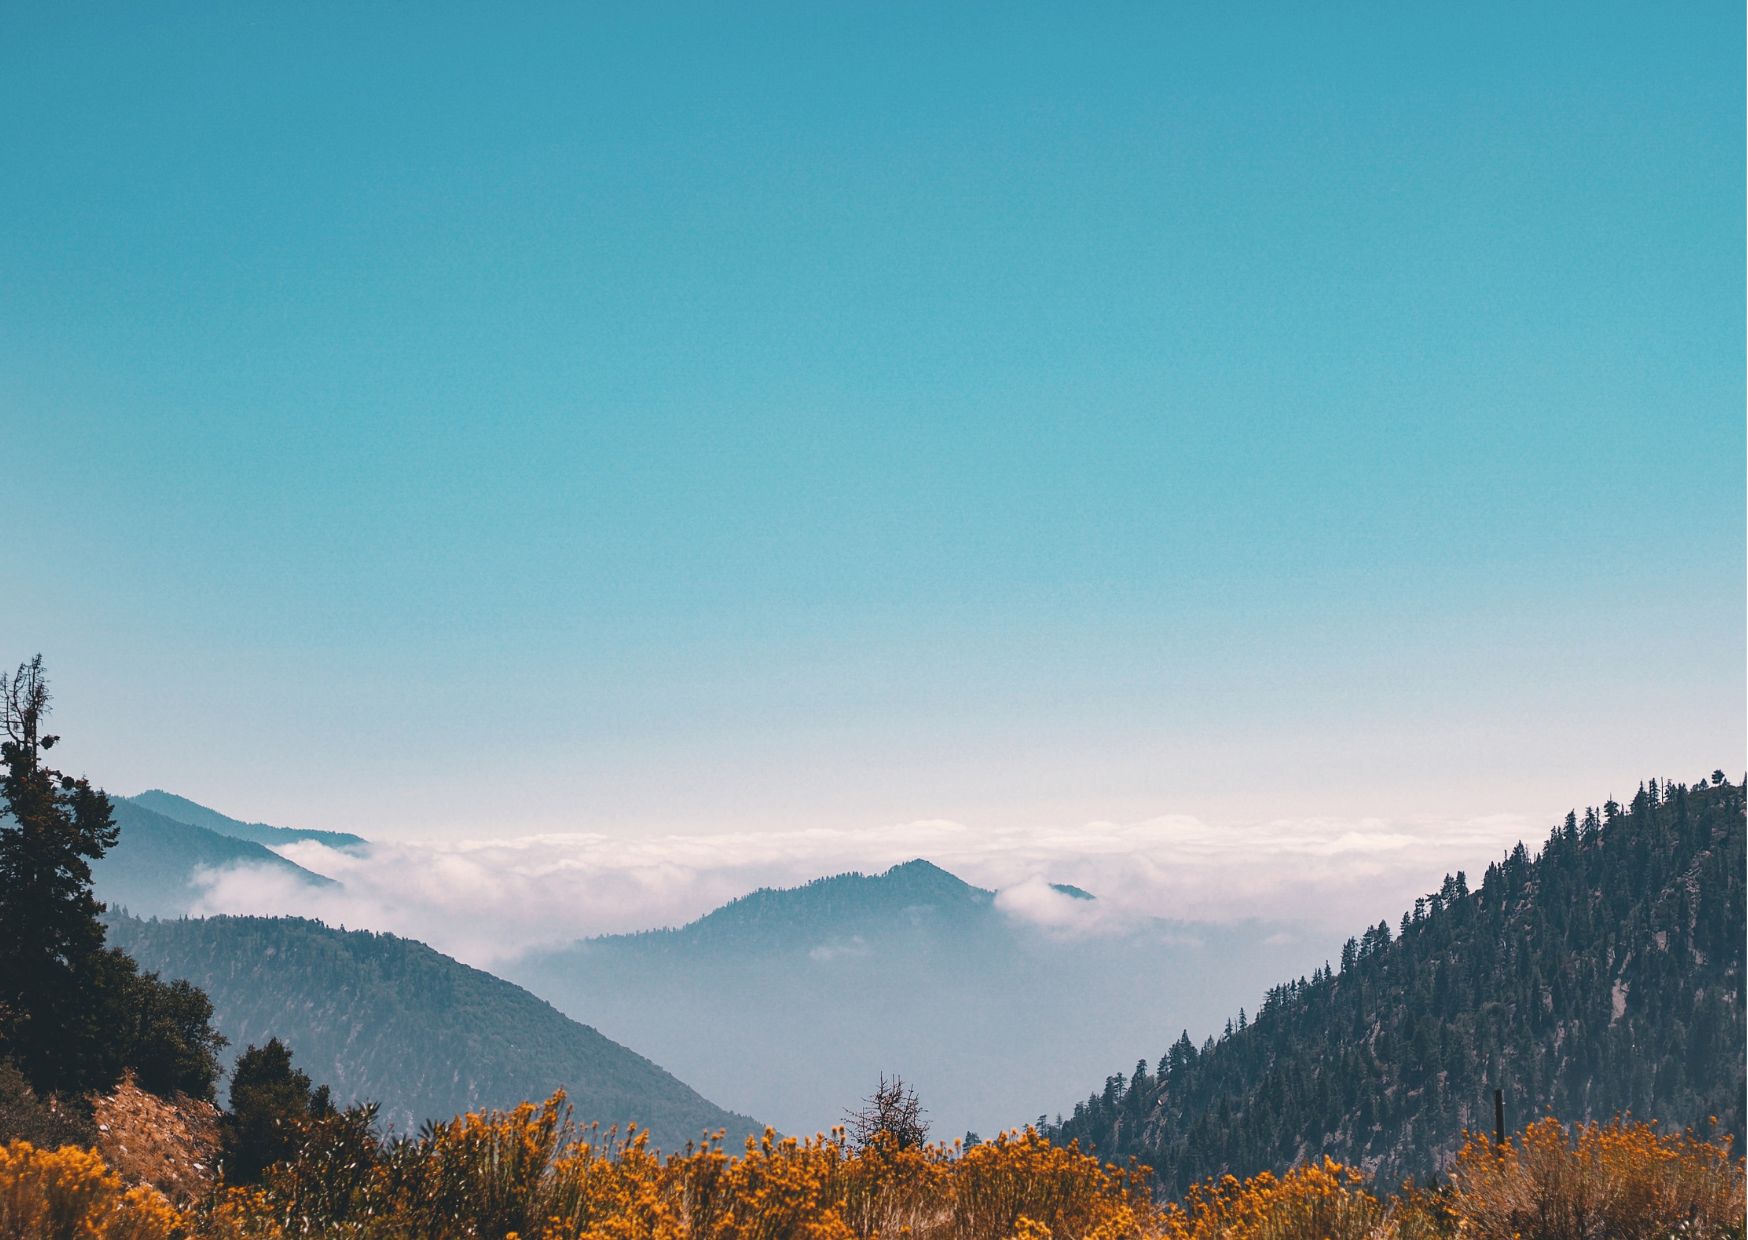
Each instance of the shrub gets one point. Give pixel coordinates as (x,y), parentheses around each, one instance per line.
(1622,1180)
(1323,1200)
(68,1194)
(49,1123)
(530,1173)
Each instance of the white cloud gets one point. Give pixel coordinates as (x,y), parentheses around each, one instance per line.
(486,900)
(832,951)
(1037,901)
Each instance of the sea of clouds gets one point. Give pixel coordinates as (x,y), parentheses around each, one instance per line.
(487,900)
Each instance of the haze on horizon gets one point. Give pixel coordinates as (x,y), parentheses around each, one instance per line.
(671,420)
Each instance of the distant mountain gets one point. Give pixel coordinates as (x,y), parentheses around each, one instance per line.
(793,1002)
(1605,975)
(151,870)
(388,1019)
(831,914)
(181,809)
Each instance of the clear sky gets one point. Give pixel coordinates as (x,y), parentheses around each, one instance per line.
(434,419)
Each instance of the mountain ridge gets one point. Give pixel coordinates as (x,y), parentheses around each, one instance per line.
(352,1003)
(152,869)
(1604,975)
(181,809)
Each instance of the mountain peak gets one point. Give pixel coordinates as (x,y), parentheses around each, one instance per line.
(918,870)
(836,905)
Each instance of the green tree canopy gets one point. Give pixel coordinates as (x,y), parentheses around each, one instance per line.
(271,1102)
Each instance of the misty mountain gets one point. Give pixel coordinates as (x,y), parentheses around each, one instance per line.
(181,809)
(151,870)
(382,1018)
(792,1002)
(1605,975)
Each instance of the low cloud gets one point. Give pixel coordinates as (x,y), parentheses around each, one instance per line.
(486,900)
(1039,902)
(855,948)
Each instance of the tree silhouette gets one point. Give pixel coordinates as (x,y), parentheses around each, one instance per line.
(73,1013)
(51,941)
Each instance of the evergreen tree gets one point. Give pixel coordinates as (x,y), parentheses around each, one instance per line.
(271,1102)
(52,972)
(73,1013)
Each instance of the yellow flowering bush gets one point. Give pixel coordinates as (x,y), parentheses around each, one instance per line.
(1323,1200)
(1620,1180)
(529,1174)
(1022,1185)
(69,1194)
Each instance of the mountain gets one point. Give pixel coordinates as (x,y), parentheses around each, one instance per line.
(792,1002)
(388,1019)
(912,899)
(1605,975)
(181,809)
(151,870)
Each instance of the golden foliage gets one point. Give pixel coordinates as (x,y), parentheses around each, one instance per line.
(1321,1200)
(1620,1180)
(69,1194)
(529,1174)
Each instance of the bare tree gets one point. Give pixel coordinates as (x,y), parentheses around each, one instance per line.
(24,701)
(892,1116)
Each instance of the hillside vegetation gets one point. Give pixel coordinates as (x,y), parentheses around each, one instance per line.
(1603,976)
(389,1020)
(528,1174)
(152,869)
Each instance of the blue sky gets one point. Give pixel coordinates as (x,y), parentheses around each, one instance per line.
(458,419)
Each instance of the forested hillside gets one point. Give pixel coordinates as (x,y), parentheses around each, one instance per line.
(387,1019)
(152,867)
(181,809)
(1604,975)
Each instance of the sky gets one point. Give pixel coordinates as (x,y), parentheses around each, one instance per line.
(470,423)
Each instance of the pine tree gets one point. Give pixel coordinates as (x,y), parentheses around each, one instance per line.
(271,1101)
(52,972)
(74,1013)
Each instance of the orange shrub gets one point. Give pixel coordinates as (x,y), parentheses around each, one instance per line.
(1620,1180)
(529,1174)
(1323,1201)
(1022,1185)
(68,1194)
